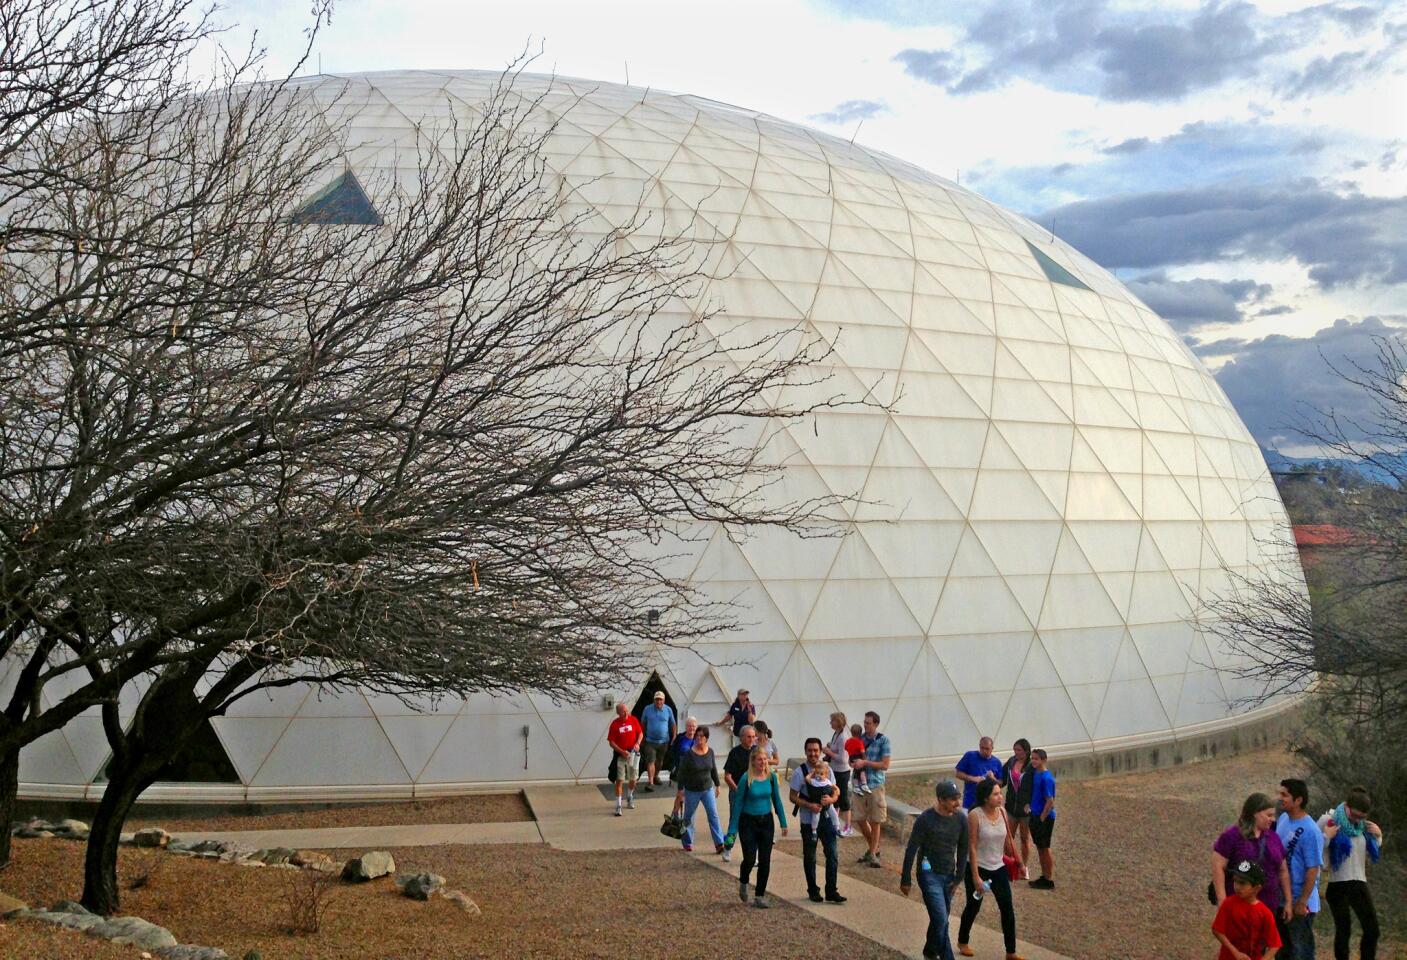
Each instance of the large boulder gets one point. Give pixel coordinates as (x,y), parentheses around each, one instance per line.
(71,829)
(9,905)
(272,856)
(369,866)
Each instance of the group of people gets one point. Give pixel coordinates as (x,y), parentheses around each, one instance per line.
(1267,869)
(980,835)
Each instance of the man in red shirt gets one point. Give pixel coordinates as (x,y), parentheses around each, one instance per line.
(1244,926)
(624,736)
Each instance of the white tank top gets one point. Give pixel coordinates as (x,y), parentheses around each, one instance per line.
(991,841)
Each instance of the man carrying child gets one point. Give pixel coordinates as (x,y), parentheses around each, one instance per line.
(815,795)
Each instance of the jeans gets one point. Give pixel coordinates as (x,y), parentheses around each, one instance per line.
(755,834)
(1296,938)
(938,898)
(825,832)
(692,799)
(1001,889)
(1345,895)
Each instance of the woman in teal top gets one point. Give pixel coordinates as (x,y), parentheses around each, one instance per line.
(759,794)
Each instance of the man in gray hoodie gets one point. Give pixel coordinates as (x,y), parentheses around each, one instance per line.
(939,843)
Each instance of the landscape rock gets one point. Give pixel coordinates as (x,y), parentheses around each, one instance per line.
(190,951)
(136,932)
(462,900)
(69,906)
(369,866)
(273,855)
(151,837)
(419,886)
(25,832)
(74,829)
(313,860)
(9,905)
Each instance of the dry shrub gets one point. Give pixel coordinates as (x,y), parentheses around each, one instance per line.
(144,867)
(308,893)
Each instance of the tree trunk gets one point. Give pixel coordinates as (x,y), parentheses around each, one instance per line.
(100,860)
(9,787)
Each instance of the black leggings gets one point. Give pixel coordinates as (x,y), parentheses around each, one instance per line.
(1001,889)
(755,833)
(1346,895)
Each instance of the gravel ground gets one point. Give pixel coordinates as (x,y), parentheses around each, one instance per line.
(476,808)
(536,902)
(1136,848)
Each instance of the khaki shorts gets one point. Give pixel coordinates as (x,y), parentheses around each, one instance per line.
(627,768)
(870,807)
(651,752)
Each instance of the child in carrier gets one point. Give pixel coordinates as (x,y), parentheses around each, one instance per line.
(818,786)
(855,750)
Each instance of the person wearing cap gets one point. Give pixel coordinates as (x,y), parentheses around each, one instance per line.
(939,844)
(1244,925)
(741,713)
(658,720)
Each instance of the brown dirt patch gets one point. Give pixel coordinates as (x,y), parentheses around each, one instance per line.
(536,902)
(475,808)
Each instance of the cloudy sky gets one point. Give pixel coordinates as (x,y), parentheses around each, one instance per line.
(1243,166)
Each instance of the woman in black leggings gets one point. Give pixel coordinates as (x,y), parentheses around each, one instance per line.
(989,838)
(759,796)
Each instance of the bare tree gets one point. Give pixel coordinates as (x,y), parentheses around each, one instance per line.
(1344,640)
(242,448)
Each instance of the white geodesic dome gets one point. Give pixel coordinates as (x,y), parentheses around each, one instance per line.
(1057,482)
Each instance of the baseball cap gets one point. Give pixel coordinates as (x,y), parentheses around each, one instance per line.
(659,694)
(1249,871)
(947,790)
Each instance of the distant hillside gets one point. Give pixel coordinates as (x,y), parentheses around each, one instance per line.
(1368,472)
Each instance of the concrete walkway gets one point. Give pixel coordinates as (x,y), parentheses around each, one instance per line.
(579,819)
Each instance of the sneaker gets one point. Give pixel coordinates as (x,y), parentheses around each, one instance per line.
(1041,883)
(835,897)
(760,902)
(866,858)
(847,832)
(727,854)
(618,813)
(874,862)
(649,788)
(965,950)
(815,896)
(630,804)
(688,848)
(742,890)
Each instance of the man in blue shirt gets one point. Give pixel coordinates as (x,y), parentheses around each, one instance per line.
(870,807)
(1042,811)
(1304,851)
(976,766)
(658,720)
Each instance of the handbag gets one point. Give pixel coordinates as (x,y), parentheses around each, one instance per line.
(673,826)
(1014,868)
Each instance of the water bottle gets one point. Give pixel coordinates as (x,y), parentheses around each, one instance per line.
(923,864)
(978,891)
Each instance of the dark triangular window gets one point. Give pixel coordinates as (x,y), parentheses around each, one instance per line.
(203,760)
(1054,271)
(341,201)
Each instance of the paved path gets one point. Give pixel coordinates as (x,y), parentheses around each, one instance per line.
(577,818)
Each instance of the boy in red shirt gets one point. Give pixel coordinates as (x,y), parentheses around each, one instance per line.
(1245,926)
(855,750)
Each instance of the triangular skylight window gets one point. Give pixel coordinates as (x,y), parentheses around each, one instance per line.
(1054,271)
(341,201)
